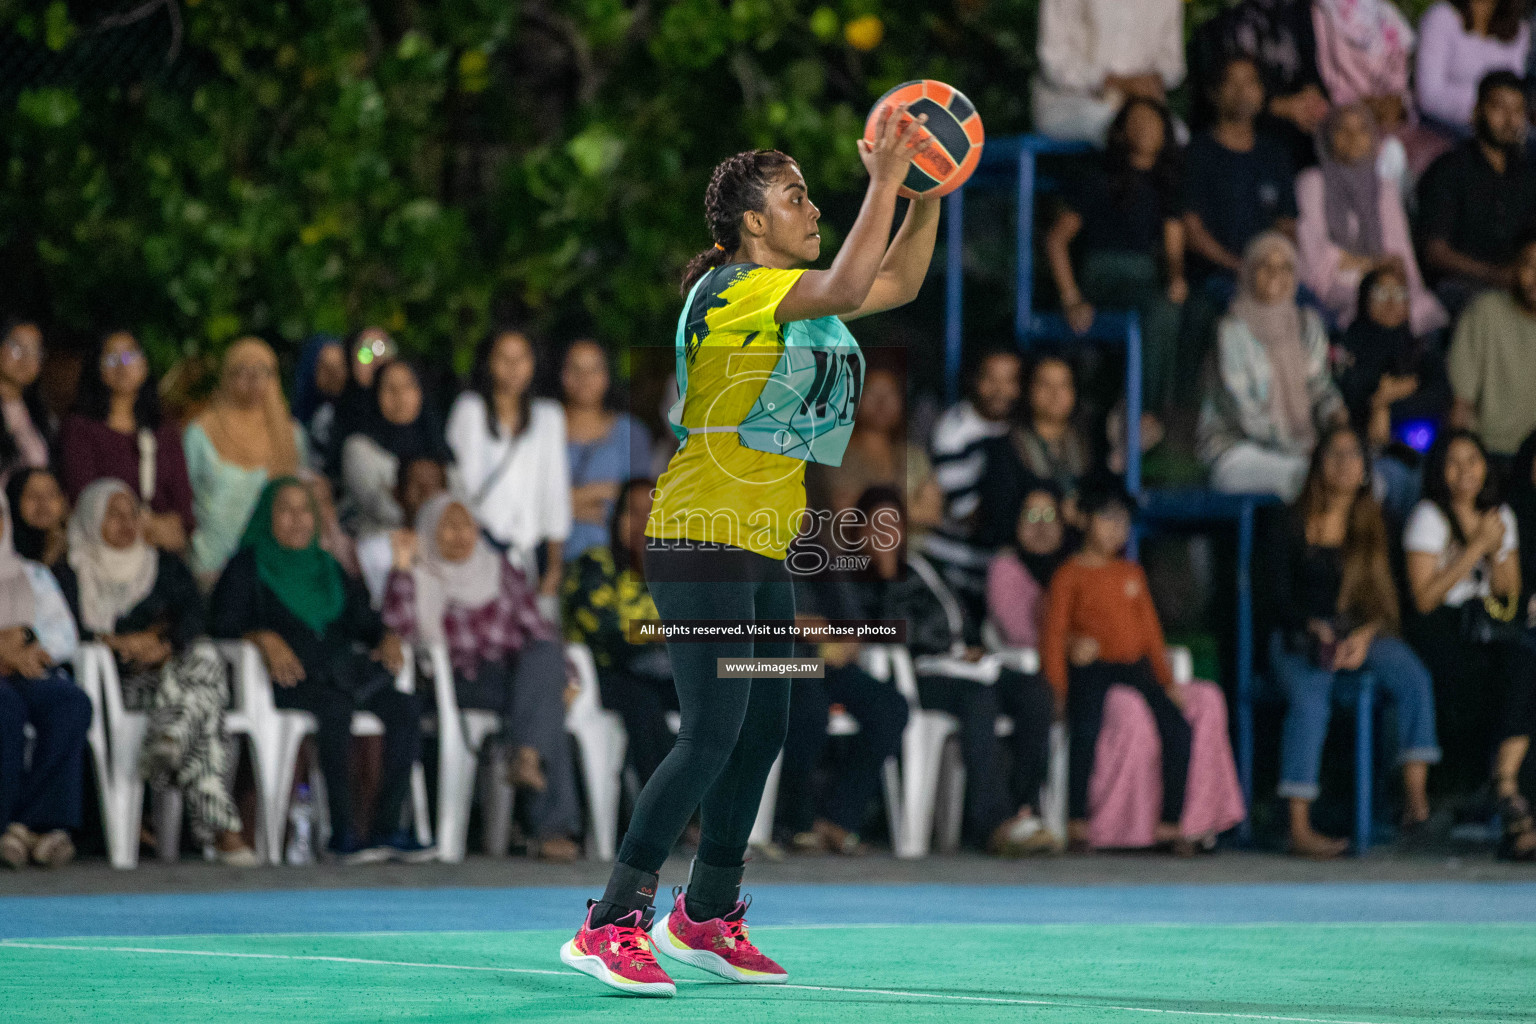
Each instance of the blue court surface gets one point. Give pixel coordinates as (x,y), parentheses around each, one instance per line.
(1331,953)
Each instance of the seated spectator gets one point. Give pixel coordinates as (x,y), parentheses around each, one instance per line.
(1021,573)
(962,440)
(1492,360)
(1364,53)
(368,351)
(878,454)
(318,382)
(1521,489)
(41,511)
(401,425)
(1277,36)
(1269,392)
(1336,605)
(1044,448)
(144,605)
(419,480)
(1097,54)
(830,821)
(603,592)
(116,432)
(1460,42)
(312,626)
(243,439)
(1463,555)
(1126,215)
(449,587)
(1238,183)
(23,419)
(1388,374)
(1353,222)
(511,454)
(40,796)
(1477,201)
(956,675)
(605,446)
(1100,631)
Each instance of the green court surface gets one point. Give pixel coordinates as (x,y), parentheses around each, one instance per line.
(1071,974)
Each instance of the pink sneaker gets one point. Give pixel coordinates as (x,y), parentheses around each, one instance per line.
(619,955)
(719,946)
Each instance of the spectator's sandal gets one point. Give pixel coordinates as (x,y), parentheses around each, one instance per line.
(1519,840)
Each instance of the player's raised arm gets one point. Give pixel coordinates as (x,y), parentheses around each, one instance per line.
(845,286)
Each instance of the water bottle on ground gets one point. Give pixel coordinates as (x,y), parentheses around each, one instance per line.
(301,816)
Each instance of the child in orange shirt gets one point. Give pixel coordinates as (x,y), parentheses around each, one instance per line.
(1101,629)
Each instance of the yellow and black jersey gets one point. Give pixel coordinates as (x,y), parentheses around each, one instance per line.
(716,490)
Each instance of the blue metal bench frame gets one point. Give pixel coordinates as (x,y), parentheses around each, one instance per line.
(1012,162)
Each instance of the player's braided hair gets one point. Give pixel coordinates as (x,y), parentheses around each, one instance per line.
(738,184)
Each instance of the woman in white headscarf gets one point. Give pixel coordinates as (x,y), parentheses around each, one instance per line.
(144,605)
(449,587)
(1269,393)
(39,799)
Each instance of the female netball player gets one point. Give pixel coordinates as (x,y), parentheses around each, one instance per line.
(756,328)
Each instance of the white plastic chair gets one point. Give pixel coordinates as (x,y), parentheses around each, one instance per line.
(87,677)
(921,745)
(276,735)
(461,735)
(116,737)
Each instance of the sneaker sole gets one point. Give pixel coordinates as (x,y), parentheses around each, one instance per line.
(593,967)
(415,856)
(705,960)
(371,855)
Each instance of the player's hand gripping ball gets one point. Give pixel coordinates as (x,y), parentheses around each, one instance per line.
(954,126)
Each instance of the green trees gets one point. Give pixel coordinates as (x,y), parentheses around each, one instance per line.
(321,164)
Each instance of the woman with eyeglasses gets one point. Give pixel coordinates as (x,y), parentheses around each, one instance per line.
(244,438)
(116,432)
(1020,573)
(23,419)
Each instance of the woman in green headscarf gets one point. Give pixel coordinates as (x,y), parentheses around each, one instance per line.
(328,653)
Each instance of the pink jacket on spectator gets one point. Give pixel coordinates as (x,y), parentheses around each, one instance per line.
(1321,259)
(1015,600)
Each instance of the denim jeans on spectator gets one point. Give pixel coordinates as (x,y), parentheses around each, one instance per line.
(1311,692)
(1120,280)
(44,794)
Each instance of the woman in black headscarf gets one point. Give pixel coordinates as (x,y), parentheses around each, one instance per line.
(1389,375)
(401,425)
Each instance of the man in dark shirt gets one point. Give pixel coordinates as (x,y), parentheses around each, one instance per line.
(1476,200)
(1238,183)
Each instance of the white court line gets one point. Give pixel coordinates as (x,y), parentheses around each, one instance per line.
(276,956)
(1004,1000)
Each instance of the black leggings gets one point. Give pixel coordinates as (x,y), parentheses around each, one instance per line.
(1087,687)
(332,708)
(732,730)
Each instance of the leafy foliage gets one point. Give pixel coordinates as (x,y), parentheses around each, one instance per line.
(307,165)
